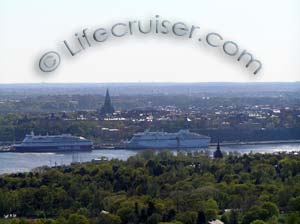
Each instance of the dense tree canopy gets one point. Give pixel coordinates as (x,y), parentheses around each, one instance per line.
(188,188)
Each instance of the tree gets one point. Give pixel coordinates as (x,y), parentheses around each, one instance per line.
(108,219)
(210,209)
(4,205)
(211,214)
(19,221)
(77,219)
(201,218)
(154,218)
(151,208)
(271,208)
(234,217)
(293,218)
(126,214)
(258,222)
(133,193)
(171,215)
(187,217)
(255,213)
(294,204)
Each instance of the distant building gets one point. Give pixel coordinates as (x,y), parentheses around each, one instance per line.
(218,153)
(107,108)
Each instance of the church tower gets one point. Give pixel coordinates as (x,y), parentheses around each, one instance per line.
(107,108)
(218,153)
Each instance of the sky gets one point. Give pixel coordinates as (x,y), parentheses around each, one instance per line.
(269,29)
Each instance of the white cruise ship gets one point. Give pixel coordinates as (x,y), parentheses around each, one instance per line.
(53,143)
(182,139)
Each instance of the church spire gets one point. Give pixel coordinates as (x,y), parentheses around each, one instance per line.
(107,98)
(218,153)
(107,108)
(218,146)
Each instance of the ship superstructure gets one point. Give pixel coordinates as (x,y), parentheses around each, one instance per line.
(53,143)
(182,139)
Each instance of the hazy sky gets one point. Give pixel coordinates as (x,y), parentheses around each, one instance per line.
(270,29)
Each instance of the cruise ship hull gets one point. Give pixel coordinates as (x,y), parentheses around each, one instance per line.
(53,143)
(168,144)
(53,148)
(162,140)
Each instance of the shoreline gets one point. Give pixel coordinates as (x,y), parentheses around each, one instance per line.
(5,148)
(272,142)
(10,162)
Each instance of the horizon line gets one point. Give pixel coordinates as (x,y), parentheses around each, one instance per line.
(113,83)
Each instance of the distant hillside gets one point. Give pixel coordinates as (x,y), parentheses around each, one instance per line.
(146,88)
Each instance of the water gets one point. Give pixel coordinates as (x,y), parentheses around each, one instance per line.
(269,148)
(21,162)
(11,162)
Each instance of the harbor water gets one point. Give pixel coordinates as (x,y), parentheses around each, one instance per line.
(11,162)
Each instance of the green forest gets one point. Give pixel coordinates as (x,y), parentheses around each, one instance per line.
(150,188)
